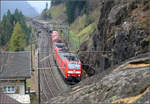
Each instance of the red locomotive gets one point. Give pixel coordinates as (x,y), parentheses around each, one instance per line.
(68,63)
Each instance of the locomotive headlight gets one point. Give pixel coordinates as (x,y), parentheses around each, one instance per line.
(78,72)
(70,71)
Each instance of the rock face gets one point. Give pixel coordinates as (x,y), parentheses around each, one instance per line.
(119,86)
(122,33)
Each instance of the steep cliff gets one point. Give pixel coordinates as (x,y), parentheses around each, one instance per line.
(122,32)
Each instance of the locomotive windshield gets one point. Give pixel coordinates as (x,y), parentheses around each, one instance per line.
(71,58)
(73,66)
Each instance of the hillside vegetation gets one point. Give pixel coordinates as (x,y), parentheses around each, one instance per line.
(82,19)
(84,26)
(58,13)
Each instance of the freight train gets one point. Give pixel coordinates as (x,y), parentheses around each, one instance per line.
(68,63)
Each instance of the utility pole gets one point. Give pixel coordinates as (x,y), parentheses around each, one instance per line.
(39,79)
(149,42)
(31,53)
(0,42)
(102,55)
(79,41)
(68,36)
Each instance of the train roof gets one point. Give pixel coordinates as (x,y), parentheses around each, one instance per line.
(69,56)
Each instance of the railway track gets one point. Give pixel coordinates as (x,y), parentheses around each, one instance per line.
(43,87)
(49,85)
(46,88)
(44,96)
(54,79)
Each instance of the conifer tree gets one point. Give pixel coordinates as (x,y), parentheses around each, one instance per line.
(17,42)
(7,26)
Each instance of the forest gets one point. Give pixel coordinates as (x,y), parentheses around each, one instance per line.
(10,24)
(74,9)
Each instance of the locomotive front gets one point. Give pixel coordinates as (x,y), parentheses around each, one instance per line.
(74,69)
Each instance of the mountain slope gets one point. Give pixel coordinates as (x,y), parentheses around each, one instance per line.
(23,6)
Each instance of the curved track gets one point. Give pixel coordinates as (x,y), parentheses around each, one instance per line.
(50,86)
(51,82)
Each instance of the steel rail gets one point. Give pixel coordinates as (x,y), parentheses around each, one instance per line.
(48,84)
(56,82)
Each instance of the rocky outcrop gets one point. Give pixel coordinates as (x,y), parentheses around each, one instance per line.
(122,33)
(119,86)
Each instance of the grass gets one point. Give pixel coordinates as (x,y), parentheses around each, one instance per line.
(28,83)
(94,15)
(84,34)
(34,99)
(83,21)
(58,11)
(74,38)
(83,25)
(78,24)
(87,31)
